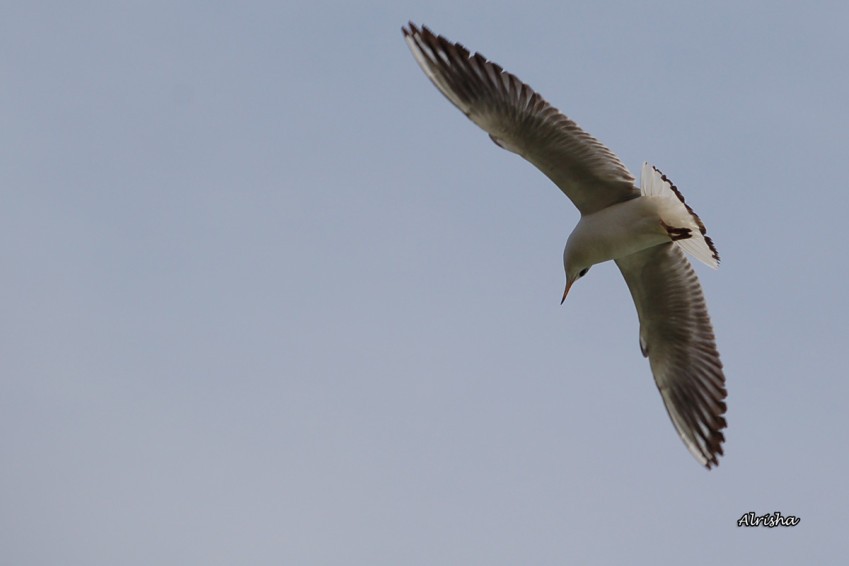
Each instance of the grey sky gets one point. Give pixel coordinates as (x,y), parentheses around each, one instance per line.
(270,299)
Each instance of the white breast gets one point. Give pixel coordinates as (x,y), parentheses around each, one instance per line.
(617,231)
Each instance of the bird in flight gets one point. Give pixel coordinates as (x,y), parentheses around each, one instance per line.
(644,230)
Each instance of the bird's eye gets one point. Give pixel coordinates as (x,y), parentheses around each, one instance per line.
(583,272)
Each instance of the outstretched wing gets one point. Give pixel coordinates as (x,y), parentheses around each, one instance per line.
(520,120)
(677,337)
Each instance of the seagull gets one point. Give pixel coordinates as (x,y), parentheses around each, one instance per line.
(644,230)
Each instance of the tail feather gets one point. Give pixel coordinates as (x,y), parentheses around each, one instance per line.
(699,244)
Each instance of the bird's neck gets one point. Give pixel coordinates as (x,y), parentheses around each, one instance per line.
(616,231)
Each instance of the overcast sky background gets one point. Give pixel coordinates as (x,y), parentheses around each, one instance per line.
(268,298)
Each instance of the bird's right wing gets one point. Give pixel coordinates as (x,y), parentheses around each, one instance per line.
(677,337)
(520,120)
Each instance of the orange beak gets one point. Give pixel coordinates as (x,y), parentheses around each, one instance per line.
(566,292)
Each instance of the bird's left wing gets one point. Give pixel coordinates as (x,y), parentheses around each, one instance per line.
(520,120)
(677,337)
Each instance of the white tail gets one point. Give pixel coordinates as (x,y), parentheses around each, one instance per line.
(695,242)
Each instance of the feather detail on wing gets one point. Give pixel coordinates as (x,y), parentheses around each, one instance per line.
(520,120)
(677,337)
